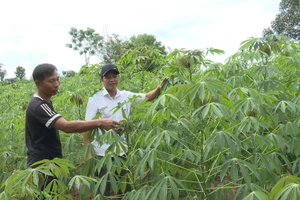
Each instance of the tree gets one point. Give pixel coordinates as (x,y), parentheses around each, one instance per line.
(10,80)
(68,73)
(112,50)
(20,72)
(2,72)
(87,42)
(143,51)
(114,47)
(287,22)
(143,40)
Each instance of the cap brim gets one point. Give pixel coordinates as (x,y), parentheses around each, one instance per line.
(103,74)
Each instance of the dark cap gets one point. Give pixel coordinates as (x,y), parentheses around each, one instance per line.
(107,68)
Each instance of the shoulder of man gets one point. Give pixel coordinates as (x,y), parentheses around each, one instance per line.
(129,94)
(97,94)
(126,92)
(34,103)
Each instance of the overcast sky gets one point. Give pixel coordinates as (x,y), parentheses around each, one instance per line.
(36,31)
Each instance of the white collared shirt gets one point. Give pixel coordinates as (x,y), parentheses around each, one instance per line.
(101,102)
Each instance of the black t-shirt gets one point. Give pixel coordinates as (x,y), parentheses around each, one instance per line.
(42,140)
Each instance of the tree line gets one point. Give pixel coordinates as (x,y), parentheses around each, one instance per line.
(20,74)
(111,48)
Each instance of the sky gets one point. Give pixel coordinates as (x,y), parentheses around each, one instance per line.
(36,31)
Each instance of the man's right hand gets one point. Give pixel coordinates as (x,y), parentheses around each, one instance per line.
(107,123)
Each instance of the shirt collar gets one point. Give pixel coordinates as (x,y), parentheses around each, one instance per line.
(105,93)
(37,96)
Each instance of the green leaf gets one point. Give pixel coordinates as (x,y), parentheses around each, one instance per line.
(164,190)
(202,93)
(234,171)
(113,182)
(35,177)
(205,110)
(174,189)
(245,174)
(256,195)
(102,182)
(216,110)
(224,169)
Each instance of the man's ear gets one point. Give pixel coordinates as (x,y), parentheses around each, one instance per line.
(37,83)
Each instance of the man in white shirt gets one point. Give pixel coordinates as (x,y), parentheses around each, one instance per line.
(106,100)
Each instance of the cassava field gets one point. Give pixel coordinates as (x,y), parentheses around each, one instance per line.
(217,130)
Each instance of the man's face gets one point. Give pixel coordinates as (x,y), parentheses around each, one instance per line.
(111,80)
(49,86)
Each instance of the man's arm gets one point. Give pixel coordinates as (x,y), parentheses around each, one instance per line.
(86,142)
(83,126)
(90,113)
(153,94)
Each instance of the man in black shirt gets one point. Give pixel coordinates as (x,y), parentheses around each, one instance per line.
(43,123)
(42,140)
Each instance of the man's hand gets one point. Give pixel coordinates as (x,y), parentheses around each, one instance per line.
(107,123)
(163,82)
(119,130)
(153,94)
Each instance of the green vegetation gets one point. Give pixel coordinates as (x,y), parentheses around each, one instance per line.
(287,21)
(216,131)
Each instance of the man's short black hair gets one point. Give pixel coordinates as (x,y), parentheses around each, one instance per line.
(43,70)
